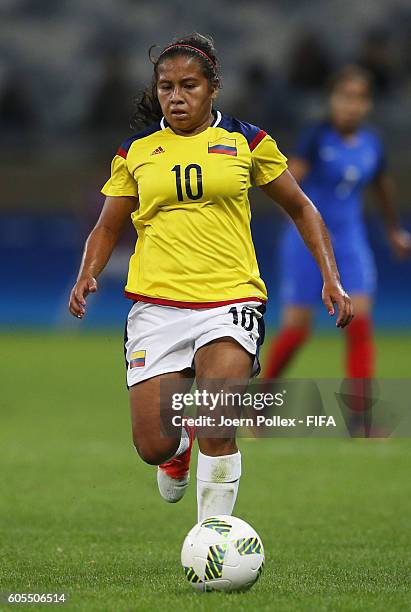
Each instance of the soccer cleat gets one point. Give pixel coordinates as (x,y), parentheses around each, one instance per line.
(173,476)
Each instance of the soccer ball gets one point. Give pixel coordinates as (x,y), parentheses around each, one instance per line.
(222,553)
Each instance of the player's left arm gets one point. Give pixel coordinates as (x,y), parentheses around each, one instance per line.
(384,190)
(285,191)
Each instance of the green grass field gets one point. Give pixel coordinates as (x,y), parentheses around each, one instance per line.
(80,513)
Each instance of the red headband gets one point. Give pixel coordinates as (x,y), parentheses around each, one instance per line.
(188,47)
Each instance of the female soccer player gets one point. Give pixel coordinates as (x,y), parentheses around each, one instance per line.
(335,159)
(193,279)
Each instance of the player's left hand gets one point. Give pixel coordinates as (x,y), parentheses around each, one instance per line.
(332,294)
(400,241)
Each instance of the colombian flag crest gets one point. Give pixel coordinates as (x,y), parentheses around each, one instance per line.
(223,146)
(138,359)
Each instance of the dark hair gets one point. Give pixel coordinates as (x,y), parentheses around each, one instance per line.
(147,106)
(351,72)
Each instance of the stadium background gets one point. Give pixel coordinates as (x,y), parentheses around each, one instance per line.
(78,512)
(67,73)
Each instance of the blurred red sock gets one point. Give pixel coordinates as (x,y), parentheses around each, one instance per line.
(360,370)
(282,349)
(360,348)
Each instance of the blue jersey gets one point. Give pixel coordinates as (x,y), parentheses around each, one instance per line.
(339,171)
(340,168)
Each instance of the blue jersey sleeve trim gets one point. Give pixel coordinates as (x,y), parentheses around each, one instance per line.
(252,133)
(125,146)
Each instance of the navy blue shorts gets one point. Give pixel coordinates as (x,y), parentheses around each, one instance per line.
(300,278)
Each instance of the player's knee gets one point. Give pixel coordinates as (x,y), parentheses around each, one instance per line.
(301,327)
(152,454)
(297,319)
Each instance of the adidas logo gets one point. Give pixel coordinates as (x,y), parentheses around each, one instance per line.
(158,151)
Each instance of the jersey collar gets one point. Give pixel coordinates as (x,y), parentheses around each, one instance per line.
(217,119)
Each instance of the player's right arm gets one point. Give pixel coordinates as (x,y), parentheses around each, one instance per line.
(285,191)
(98,249)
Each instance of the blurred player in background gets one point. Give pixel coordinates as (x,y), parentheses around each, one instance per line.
(334,161)
(197,294)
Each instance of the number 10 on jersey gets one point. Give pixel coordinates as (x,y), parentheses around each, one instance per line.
(189,171)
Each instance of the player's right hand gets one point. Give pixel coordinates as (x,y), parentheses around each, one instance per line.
(77,303)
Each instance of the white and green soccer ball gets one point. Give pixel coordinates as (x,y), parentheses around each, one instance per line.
(222,553)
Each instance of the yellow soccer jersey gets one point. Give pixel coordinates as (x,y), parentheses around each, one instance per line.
(194,246)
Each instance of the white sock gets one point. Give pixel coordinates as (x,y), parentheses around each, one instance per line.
(184,443)
(217,483)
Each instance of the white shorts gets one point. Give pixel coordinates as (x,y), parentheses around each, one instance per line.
(160,339)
